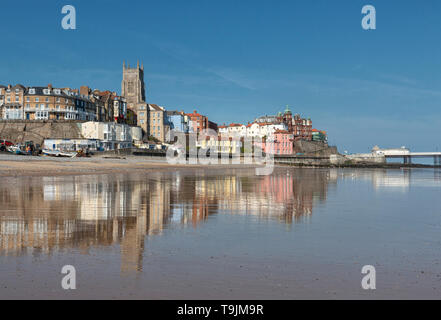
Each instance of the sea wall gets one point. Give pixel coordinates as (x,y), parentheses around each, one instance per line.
(314,148)
(332,160)
(37,131)
(366,158)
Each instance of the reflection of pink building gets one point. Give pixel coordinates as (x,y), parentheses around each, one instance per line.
(282,143)
(281,187)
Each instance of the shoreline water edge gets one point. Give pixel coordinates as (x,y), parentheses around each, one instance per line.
(14,166)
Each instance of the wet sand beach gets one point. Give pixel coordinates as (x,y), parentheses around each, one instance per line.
(13,165)
(150,231)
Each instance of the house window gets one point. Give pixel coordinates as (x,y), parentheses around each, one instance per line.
(41,115)
(37,99)
(13,114)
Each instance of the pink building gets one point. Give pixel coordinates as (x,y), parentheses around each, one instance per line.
(283,143)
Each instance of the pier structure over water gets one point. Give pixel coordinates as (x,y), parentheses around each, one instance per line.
(407,155)
(407,158)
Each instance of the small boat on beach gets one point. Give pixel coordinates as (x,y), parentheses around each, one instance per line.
(59,153)
(14,149)
(27,148)
(19,150)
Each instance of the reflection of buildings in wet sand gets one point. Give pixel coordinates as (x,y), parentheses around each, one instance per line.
(384,179)
(56,213)
(286,194)
(77,212)
(28,222)
(395,179)
(209,192)
(290,194)
(405,179)
(437,175)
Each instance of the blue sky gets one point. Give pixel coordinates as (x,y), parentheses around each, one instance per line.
(236,60)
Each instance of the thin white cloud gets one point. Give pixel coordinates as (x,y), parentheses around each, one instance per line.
(234,77)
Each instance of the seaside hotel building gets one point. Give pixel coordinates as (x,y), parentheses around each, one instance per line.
(57,104)
(45,103)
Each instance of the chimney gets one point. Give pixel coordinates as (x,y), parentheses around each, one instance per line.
(49,86)
(84,90)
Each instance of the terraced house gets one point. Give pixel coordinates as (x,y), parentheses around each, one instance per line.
(158,128)
(177,121)
(102,114)
(106,99)
(48,103)
(12,106)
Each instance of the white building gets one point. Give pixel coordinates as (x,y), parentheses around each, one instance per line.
(390,152)
(261,130)
(136,133)
(113,135)
(237,129)
(72,144)
(253,130)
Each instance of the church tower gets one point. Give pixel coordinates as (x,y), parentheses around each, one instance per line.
(132,85)
(133,89)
